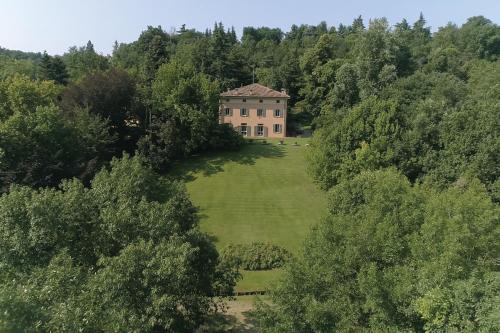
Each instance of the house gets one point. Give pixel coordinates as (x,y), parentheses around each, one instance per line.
(255,111)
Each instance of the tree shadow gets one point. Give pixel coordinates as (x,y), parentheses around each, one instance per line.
(226,323)
(212,163)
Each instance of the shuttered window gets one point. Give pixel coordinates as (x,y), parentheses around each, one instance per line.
(259,130)
(244,129)
(261,113)
(244,112)
(277,128)
(278,113)
(228,112)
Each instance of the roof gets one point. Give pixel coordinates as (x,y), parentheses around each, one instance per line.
(254,90)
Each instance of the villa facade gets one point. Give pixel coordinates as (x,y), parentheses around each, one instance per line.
(255,111)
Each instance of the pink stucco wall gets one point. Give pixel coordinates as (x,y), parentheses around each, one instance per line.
(252,104)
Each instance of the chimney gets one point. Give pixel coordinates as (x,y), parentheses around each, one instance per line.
(283,90)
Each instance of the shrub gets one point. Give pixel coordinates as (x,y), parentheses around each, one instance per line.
(224,137)
(255,256)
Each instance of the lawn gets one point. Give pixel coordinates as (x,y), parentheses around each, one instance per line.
(259,193)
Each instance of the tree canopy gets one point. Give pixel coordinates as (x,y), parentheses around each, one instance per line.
(394,257)
(123,255)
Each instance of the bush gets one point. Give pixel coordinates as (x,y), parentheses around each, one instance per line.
(165,143)
(255,256)
(224,137)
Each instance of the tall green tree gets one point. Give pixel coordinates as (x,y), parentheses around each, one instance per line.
(112,96)
(392,257)
(53,68)
(84,60)
(39,145)
(152,45)
(185,116)
(123,255)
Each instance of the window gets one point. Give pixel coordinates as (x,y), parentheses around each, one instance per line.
(227,112)
(227,99)
(244,99)
(277,101)
(260,130)
(260,101)
(243,112)
(278,113)
(243,129)
(277,128)
(261,113)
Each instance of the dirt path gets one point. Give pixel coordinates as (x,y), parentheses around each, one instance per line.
(235,320)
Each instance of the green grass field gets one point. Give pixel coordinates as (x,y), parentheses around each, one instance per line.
(259,193)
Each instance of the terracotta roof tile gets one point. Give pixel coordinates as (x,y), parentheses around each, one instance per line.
(254,90)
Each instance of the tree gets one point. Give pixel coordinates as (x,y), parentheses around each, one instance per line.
(84,60)
(39,146)
(125,254)
(393,257)
(189,98)
(480,37)
(358,25)
(110,95)
(376,56)
(53,68)
(152,44)
(345,91)
(186,116)
(20,93)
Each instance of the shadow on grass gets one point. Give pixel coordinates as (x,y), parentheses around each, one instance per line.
(226,323)
(213,163)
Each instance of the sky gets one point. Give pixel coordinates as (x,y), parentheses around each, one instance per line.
(56,25)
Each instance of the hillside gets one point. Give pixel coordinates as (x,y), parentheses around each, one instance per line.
(260,193)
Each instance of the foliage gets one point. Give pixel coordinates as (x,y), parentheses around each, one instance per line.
(431,126)
(408,249)
(19,94)
(111,95)
(81,61)
(255,256)
(152,45)
(53,68)
(122,255)
(10,67)
(394,257)
(38,145)
(186,117)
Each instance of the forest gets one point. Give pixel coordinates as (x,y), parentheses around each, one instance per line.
(405,145)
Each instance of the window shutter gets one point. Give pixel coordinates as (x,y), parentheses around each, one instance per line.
(255,130)
(265,131)
(249,130)
(231,112)
(238,129)
(263,112)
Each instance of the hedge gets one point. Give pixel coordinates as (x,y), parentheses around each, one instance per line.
(255,256)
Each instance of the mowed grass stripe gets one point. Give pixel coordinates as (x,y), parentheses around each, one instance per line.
(260,193)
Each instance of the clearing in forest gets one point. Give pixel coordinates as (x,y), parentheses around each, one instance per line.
(259,193)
